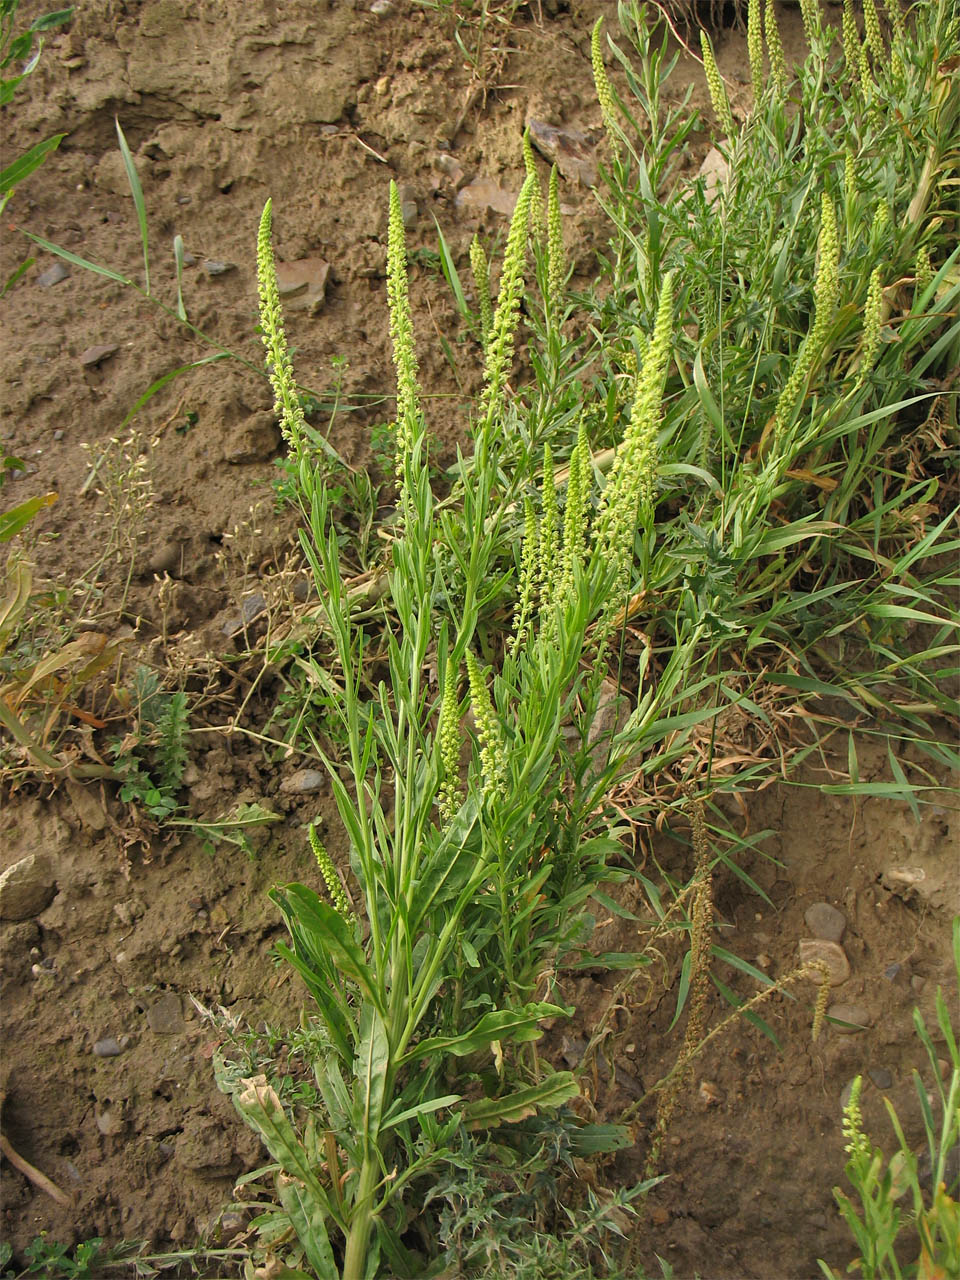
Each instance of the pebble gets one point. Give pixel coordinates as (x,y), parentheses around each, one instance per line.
(381,8)
(846,1091)
(825,922)
(250,610)
(303,782)
(166,559)
(482,194)
(892,972)
(165,1018)
(829,953)
(255,440)
(881,1077)
(213,267)
(572,152)
(53,275)
(109,1121)
(108,1047)
(96,355)
(27,887)
(302,284)
(451,167)
(408,205)
(850,1013)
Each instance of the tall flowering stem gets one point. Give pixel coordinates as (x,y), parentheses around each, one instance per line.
(718,94)
(556,261)
(499,351)
(481,281)
(631,485)
(448,745)
(778,63)
(493,756)
(279,365)
(826,291)
(409,421)
(601,80)
(755,47)
(536,195)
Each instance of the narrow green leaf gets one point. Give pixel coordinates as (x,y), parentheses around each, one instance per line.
(552,1092)
(77,261)
(14,276)
(11,522)
(307,1219)
(517,1025)
(178,262)
(24,165)
(137,191)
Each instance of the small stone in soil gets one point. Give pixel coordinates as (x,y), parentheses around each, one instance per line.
(381,8)
(165,1018)
(846,1014)
(303,782)
(572,152)
(107,1048)
(215,268)
(250,610)
(831,954)
(881,1077)
(27,887)
(96,355)
(53,275)
(825,922)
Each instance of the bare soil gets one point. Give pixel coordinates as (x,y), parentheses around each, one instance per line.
(319,105)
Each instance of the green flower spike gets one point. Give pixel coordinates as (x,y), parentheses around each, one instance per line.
(335,890)
(448,741)
(481,280)
(286,403)
(851,39)
(536,195)
(810,12)
(605,97)
(499,351)
(778,63)
(718,94)
(409,424)
(871,24)
(529,574)
(755,47)
(493,757)
(548,553)
(872,324)
(556,260)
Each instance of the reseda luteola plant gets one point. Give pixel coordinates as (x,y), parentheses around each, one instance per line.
(471,875)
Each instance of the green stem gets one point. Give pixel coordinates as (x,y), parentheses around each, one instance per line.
(361,1222)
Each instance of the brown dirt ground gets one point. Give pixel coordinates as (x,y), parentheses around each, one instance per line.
(318,105)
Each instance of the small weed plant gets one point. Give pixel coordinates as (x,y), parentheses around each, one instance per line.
(907,1223)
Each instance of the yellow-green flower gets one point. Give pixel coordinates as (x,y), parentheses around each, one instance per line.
(286,401)
(810,11)
(401,331)
(556,262)
(529,576)
(499,351)
(851,39)
(536,194)
(755,47)
(481,280)
(872,323)
(778,63)
(448,741)
(871,24)
(605,97)
(335,890)
(718,94)
(493,756)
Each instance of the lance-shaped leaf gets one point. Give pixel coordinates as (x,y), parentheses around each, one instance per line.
(517,1025)
(552,1092)
(307,1217)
